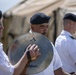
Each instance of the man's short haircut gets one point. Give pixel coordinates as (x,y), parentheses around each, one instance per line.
(0,14)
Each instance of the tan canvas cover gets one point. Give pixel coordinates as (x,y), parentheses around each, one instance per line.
(31,6)
(22,13)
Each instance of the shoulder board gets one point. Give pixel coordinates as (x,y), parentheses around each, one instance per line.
(72,37)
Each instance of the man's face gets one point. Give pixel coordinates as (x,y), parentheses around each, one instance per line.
(73,26)
(1,27)
(40,28)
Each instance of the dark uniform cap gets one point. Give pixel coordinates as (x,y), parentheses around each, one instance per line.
(39,18)
(0,14)
(70,16)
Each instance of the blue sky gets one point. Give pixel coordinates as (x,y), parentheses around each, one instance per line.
(7,4)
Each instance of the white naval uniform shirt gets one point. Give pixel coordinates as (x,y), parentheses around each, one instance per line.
(55,64)
(5,67)
(66,48)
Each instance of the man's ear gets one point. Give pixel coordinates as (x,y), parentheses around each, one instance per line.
(32,27)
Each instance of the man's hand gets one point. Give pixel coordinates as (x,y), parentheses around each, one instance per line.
(33,52)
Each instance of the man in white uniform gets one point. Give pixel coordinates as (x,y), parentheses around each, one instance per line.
(66,45)
(40,23)
(6,68)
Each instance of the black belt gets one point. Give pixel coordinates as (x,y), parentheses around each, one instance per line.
(72,73)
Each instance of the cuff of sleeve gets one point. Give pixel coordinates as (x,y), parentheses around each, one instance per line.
(12,69)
